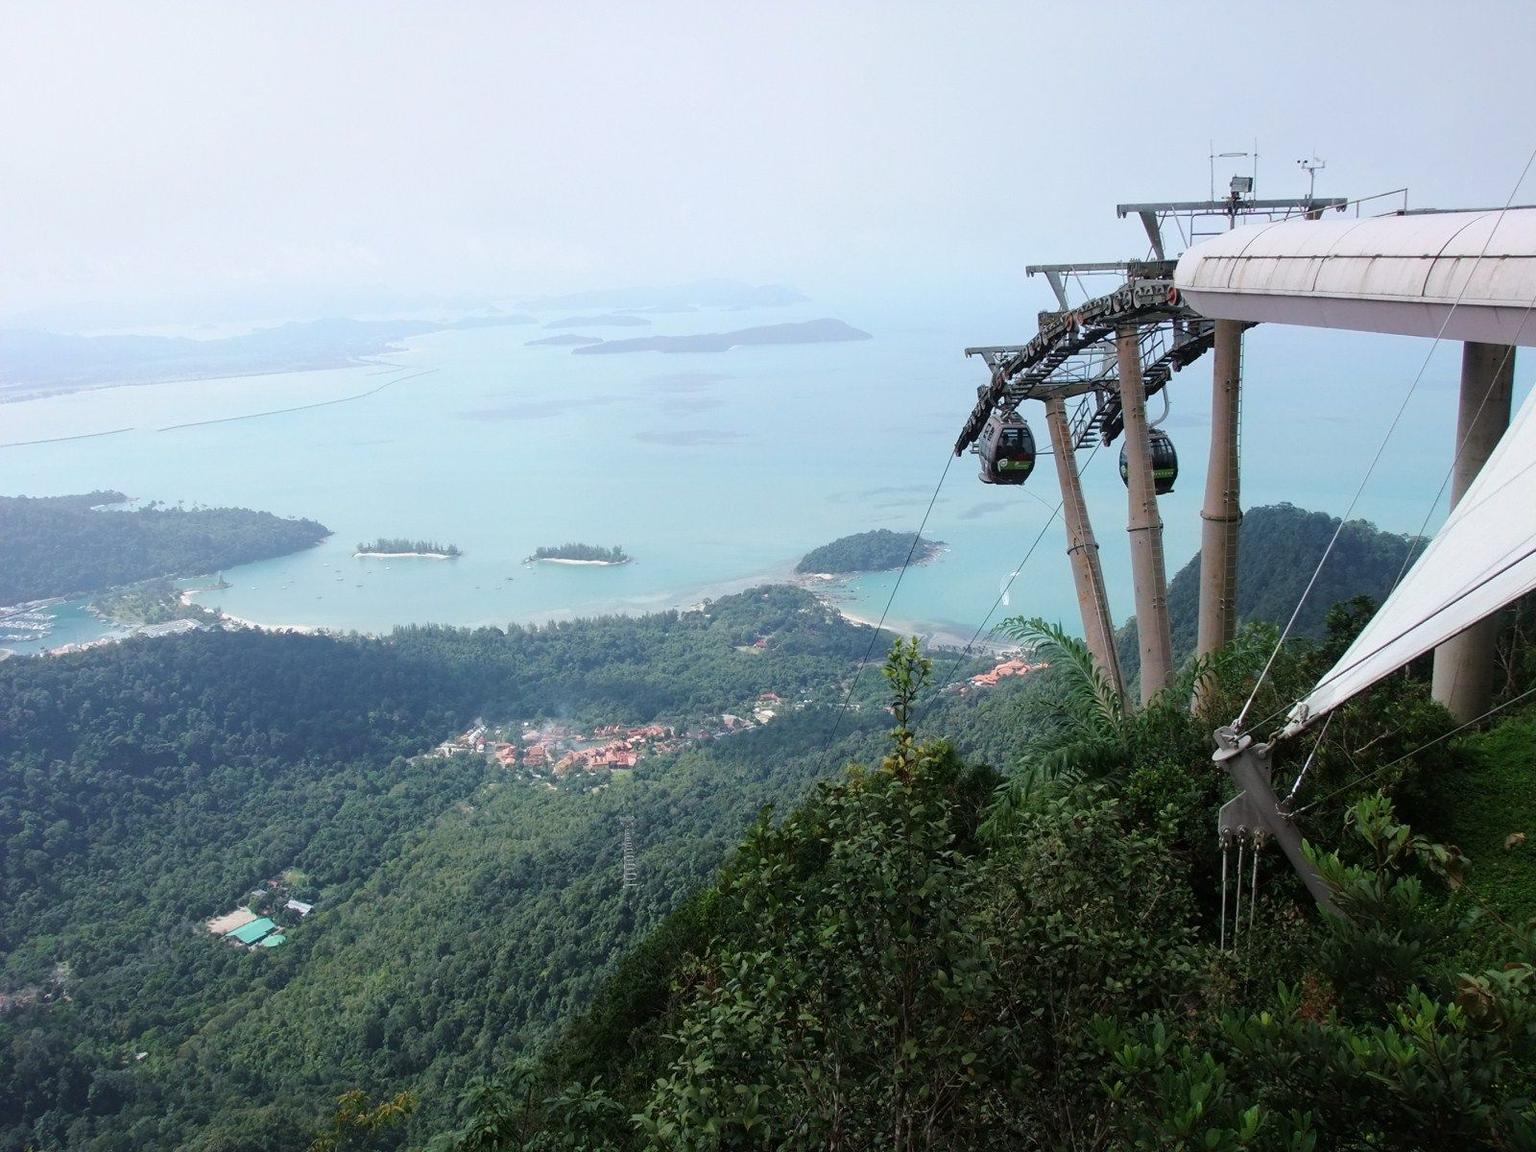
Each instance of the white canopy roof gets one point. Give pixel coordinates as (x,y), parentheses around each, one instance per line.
(1482,559)
(1474,273)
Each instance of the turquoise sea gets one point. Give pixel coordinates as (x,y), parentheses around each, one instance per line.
(715,471)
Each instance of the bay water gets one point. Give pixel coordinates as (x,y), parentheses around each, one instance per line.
(714,471)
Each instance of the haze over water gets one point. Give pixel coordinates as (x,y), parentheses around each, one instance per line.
(715,471)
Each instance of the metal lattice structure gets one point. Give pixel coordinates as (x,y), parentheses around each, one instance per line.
(1073,354)
(630,868)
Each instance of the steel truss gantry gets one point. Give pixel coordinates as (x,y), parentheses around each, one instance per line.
(1073,352)
(1073,355)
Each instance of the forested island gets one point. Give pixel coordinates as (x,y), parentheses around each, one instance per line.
(395,546)
(70,545)
(874,551)
(580,554)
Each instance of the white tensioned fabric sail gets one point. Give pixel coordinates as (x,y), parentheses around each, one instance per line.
(1483,558)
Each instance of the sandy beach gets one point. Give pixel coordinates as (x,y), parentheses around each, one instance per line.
(825,586)
(226,620)
(930,636)
(401,555)
(587,563)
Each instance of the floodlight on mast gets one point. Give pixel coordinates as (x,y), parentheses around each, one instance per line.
(1253,176)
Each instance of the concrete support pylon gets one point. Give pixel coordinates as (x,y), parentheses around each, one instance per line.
(1145,525)
(1222,512)
(1083,550)
(1464,665)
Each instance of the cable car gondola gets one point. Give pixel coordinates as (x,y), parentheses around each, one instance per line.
(1165,462)
(1007,450)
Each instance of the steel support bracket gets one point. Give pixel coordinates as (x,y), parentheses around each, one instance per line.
(1247,764)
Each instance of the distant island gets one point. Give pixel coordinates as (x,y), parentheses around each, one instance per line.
(826,331)
(874,551)
(580,554)
(391,546)
(606,320)
(563,339)
(71,545)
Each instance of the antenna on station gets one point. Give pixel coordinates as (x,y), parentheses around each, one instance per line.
(1312,167)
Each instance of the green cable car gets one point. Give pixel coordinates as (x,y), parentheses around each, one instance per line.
(1007,450)
(1165,462)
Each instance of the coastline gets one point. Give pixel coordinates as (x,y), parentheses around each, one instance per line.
(828,589)
(227,621)
(931,635)
(825,586)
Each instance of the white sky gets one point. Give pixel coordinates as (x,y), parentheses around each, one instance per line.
(199,152)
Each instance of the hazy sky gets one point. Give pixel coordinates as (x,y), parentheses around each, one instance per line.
(208,151)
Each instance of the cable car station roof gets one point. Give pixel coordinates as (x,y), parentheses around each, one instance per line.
(1457,275)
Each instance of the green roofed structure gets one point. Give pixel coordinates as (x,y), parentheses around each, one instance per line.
(252,932)
(273,940)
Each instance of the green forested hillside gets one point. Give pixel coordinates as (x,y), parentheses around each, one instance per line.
(919,958)
(64,545)
(459,913)
(1005,933)
(1279,546)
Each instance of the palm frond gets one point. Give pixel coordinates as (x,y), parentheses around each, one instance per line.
(1085,685)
